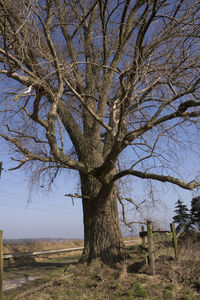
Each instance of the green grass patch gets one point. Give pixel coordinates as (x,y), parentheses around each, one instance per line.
(187,294)
(139,291)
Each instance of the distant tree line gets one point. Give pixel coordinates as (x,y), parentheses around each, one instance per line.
(187,220)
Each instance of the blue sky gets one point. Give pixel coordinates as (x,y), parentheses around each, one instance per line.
(45,215)
(53,215)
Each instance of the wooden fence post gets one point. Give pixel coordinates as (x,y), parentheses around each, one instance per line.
(174,240)
(150,247)
(1,264)
(143,237)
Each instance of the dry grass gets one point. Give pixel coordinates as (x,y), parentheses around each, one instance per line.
(187,270)
(40,245)
(63,281)
(49,245)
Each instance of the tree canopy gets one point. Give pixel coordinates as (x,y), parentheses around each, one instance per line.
(106,88)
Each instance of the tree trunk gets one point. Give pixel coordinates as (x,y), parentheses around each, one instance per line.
(102,233)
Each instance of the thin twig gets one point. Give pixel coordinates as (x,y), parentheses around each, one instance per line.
(77,196)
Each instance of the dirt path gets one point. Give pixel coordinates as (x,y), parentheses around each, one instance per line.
(15,283)
(25,275)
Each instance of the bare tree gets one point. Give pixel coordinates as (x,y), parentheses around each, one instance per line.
(86,81)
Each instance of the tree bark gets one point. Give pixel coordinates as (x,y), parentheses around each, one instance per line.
(102,233)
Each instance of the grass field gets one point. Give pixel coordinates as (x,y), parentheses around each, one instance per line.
(61,277)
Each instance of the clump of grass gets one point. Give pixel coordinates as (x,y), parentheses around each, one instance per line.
(90,284)
(135,291)
(139,290)
(128,296)
(188,294)
(167,294)
(171,287)
(168,291)
(129,291)
(117,286)
(45,297)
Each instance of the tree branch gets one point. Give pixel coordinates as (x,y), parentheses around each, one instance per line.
(66,161)
(77,196)
(98,119)
(162,178)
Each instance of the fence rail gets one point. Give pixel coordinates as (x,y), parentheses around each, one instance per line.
(34,253)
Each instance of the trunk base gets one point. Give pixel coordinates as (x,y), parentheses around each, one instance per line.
(110,256)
